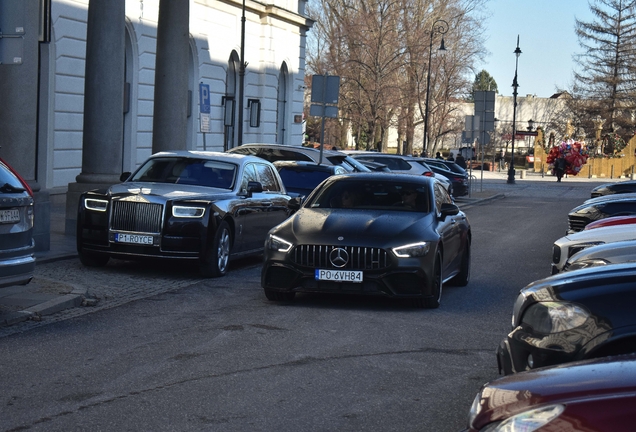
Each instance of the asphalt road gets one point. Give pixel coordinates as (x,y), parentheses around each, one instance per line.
(217,356)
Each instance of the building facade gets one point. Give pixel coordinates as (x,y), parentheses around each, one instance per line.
(73,72)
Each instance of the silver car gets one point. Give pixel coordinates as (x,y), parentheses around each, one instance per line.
(17,248)
(402,164)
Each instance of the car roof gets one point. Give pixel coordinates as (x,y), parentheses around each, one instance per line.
(384,176)
(290,147)
(211,155)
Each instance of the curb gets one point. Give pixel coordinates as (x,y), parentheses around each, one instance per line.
(479,201)
(35,313)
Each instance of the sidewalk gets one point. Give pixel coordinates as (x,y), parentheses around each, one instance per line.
(43,296)
(46,296)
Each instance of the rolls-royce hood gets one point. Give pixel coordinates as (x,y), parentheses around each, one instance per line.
(168,191)
(327,226)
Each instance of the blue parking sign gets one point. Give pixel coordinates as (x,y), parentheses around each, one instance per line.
(204,98)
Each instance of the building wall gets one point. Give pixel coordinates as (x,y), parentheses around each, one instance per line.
(274,35)
(541,110)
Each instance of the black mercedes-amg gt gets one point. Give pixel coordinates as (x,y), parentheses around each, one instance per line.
(395,235)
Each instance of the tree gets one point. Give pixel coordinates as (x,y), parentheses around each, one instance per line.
(380,49)
(605,84)
(484,82)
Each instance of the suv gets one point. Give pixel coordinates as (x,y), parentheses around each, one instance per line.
(301,177)
(453,172)
(17,248)
(276,152)
(402,164)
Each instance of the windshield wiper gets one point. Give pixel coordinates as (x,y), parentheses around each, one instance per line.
(9,188)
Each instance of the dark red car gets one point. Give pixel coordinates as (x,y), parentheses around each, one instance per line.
(596,395)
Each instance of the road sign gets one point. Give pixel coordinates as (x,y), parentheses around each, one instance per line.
(527,133)
(204,98)
(325,89)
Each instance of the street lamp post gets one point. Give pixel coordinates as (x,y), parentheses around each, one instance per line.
(515,85)
(242,66)
(440,26)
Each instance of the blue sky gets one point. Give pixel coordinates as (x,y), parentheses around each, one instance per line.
(546,39)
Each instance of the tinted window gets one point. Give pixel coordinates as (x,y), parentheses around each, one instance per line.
(190,171)
(249,174)
(274,155)
(394,164)
(301,179)
(372,195)
(441,196)
(8,182)
(267,177)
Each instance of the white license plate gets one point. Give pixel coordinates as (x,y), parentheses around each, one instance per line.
(339,275)
(133,238)
(9,216)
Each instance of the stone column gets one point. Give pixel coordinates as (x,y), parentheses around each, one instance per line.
(103,103)
(171,77)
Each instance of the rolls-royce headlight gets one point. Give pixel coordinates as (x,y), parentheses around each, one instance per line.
(188,211)
(278,244)
(554,317)
(527,421)
(96,204)
(412,250)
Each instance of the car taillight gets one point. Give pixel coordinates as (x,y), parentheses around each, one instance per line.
(428,174)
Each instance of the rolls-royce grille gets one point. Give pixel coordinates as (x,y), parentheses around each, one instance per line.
(136,216)
(358,258)
(577,223)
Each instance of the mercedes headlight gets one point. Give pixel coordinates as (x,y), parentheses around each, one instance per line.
(96,204)
(554,317)
(278,244)
(188,211)
(527,421)
(577,265)
(412,250)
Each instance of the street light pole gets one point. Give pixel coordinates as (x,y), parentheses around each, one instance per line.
(440,26)
(515,85)
(242,66)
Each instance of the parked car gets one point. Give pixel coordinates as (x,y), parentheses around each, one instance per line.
(276,152)
(603,254)
(572,316)
(601,208)
(611,221)
(570,244)
(628,186)
(301,178)
(443,163)
(402,164)
(458,180)
(17,248)
(386,234)
(204,207)
(597,395)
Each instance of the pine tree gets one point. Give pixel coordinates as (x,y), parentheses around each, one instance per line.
(485,82)
(605,83)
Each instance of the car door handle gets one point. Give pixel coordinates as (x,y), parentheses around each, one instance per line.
(267,204)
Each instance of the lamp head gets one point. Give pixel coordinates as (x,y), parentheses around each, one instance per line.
(517,50)
(442,48)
